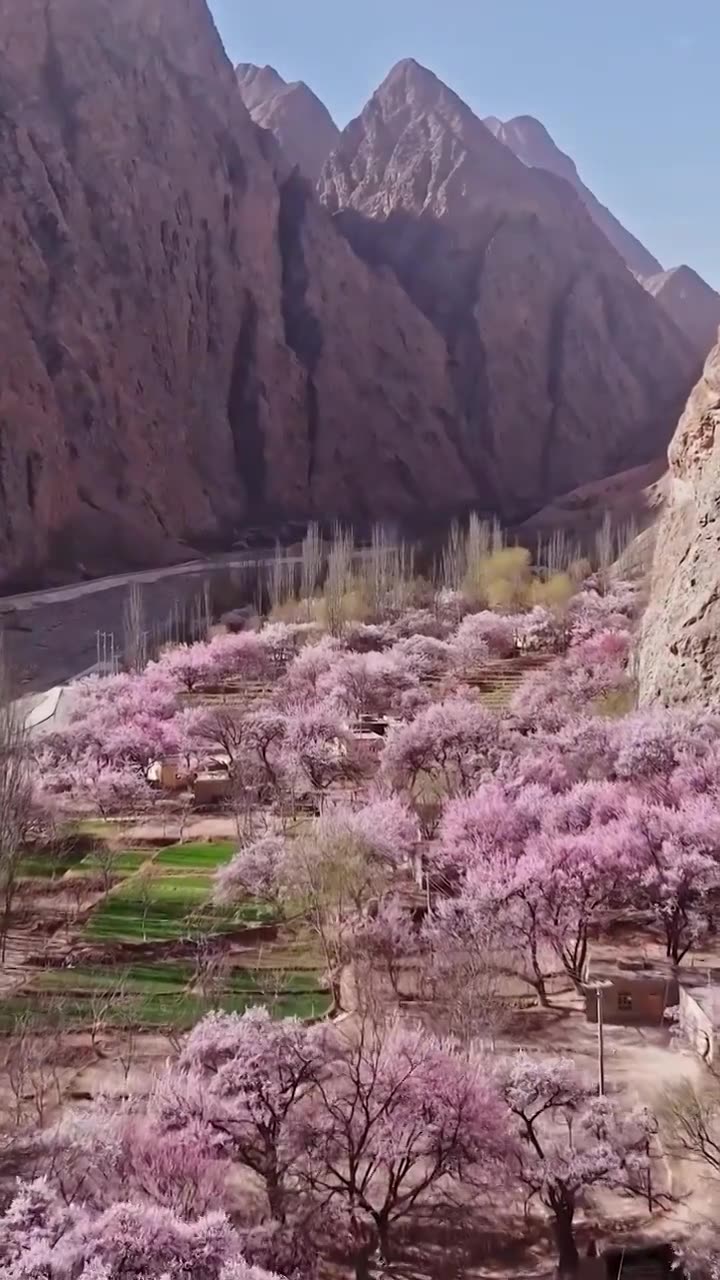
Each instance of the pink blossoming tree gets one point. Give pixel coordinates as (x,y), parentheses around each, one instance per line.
(444,751)
(569,1141)
(41,1238)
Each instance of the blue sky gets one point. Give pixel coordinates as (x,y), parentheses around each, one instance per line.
(627,87)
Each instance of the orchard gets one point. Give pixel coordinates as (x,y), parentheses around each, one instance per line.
(443,791)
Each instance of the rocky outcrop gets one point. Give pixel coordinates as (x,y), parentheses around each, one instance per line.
(188,343)
(301,123)
(531,143)
(564,368)
(691,303)
(680,642)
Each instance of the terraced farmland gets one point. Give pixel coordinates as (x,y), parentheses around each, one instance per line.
(159,909)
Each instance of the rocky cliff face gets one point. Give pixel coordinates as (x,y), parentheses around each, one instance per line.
(680,642)
(187,341)
(301,123)
(563,367)
(531,143)
(691,303)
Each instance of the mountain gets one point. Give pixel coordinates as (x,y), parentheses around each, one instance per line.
(301,123)
(192,345)
(680,641)
(258,85)
(531,143)
(690,302)
(564,368)
(188,342)
(632,498)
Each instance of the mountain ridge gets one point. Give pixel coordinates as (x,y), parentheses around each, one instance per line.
(194,345)
(549,336)
(690,302)
(530,141)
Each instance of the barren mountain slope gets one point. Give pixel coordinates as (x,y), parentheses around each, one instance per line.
(565,369)
(531,143)
(691,303)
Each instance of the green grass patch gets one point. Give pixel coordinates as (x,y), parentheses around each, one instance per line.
(183,1012)
(152,997)
(185,892)
(126,861)
(136,979)
(120,919)
(175,907)
(49,866)
(169,977)
(197,856)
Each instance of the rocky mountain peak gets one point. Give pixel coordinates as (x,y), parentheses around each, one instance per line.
(415,91)
(258,83)
(528,138)
(533,302)
(691,302)
(300,122)
(411,79)
(684,296)
(417,145)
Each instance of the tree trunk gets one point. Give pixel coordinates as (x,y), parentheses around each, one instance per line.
(335,981)
(568,1257)
(383,1229)
(5,924)
(542,994)
(363,1261)
(276,1197)
(539,982)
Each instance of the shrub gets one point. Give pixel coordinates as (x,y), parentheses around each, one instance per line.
(506,578)
(554,592)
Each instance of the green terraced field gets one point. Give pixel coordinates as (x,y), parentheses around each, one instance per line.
(158,995)
(164,1009)
(197,856)
(175,907)
(127,861)
(47,867)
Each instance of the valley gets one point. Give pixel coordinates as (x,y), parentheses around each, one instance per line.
(359,743)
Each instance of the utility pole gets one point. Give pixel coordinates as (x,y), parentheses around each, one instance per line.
(599,987)
(601,1041)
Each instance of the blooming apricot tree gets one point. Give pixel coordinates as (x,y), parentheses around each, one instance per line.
(444,751)
(569,1141)
(42,1238)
